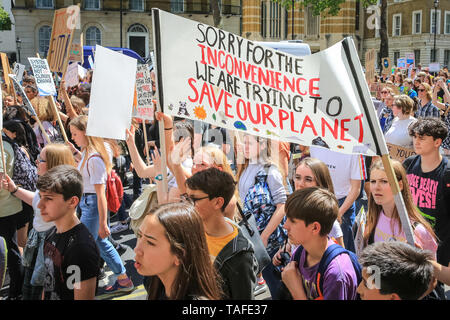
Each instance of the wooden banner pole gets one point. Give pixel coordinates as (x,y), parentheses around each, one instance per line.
(55,109)
(147,153)
(3,154)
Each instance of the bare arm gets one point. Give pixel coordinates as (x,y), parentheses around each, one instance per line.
(85,290)
(442,273)
(24,195)
(351,197)
(139,165)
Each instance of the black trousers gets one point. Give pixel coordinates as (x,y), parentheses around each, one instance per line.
(8,230)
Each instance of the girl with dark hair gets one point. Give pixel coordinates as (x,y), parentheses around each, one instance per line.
(172,251)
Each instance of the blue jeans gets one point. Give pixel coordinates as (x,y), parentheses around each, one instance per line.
(268,274)
(348,218)
(90,218)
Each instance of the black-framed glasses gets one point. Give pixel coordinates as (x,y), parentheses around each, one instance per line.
(420,90)
(193,200)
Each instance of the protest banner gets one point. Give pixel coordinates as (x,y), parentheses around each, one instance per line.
(144,95)
(18,70)
(399,153)
(401,63)
(82,72)
(386,63)
(60,40)
(370,66)
(71,75)
(228,81)
(91,62)
(76,53)
(112,90)
(43,76)
(434,67)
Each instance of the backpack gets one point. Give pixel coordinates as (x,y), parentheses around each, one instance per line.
(332,252)
(259,202)
(114,188)
(24,170)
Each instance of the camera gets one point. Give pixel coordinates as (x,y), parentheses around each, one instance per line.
(285,257)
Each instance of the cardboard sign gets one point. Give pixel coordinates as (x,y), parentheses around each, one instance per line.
(61,40)
(20,92)
(43,76)
(399,153)
(409,59)
(76,53)
(386,64)
(71,75)
(370,66)
(19,69)
(112,91)
(144,105)
(6,71)
(228,81)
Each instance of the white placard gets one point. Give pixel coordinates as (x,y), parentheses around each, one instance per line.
(43,76)
(112,92)
(91,62)
(71,75)
(20,92)
(231,82)
(19,69)
(82,72)
(434,67)
(144,106)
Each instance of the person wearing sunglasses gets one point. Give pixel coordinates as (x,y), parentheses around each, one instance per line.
(386,115)
(426,107)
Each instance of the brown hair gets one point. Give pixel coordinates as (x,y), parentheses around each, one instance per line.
(57,154)
(313,204)
(320,172)
(184,230)
(374,209)
(95,144)
(405,103)
(427,89)
(43,109)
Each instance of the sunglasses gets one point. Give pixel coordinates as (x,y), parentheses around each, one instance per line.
(384,92)
(421,90)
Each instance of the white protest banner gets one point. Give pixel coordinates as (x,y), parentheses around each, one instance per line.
(19,91)
(144,106)
(228,81)
(71,75)
(112,94)
(401,63)
(91,62)
(434,67)
(43,76)
(18,71)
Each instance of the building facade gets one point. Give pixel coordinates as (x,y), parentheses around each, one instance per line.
(103,22)
(7,38)
(410,28)
(265,20)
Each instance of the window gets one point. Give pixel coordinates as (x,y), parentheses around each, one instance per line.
(438,21)
(396,25)
(447,22)
(92,4)
(137,28)
(275,20)
(417,56)
(137,5)
(177,6)
(44,4)
(446,57)
(93,36)
(312,23)
(417,22)
(396,56)
(263,19)
(44,35)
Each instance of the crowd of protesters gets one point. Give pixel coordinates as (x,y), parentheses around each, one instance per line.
(327,221)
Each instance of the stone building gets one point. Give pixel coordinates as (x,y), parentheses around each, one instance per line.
(103,22)
(410,27)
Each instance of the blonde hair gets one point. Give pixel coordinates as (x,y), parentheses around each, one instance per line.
(95,144)
(405,103)
(427,90)
(78,104)
(57,154)
(43,109)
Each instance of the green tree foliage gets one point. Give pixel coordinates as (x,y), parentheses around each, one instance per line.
(5,21)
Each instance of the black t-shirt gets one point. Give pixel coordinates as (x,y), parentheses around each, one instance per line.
(69,258)
(431,194)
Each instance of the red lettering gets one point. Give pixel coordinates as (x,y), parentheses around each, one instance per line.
(238,109)
(292,123)
(191,82)
(203,53)
(266,115)
(204,92)
(290,84)
(308,123)
(283,115)
(258,113)
(216,102)
(212,56)
(334,131)
(298,86)
(221,63)
(312,87)
(344,129)
(227,105)
(361,128)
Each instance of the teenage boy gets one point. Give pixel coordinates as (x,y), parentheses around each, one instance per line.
(394,270)
(232,253)
(310,214)
(71,256)
(429,180)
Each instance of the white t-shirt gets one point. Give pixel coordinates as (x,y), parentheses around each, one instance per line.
(97,172)
(398,132)
(343,168)
(38,224)
(172,181)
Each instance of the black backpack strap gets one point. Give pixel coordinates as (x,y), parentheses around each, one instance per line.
(297,254)
(244,218)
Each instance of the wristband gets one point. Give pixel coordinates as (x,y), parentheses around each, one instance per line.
(15,190)
(167,128)
(159,177)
